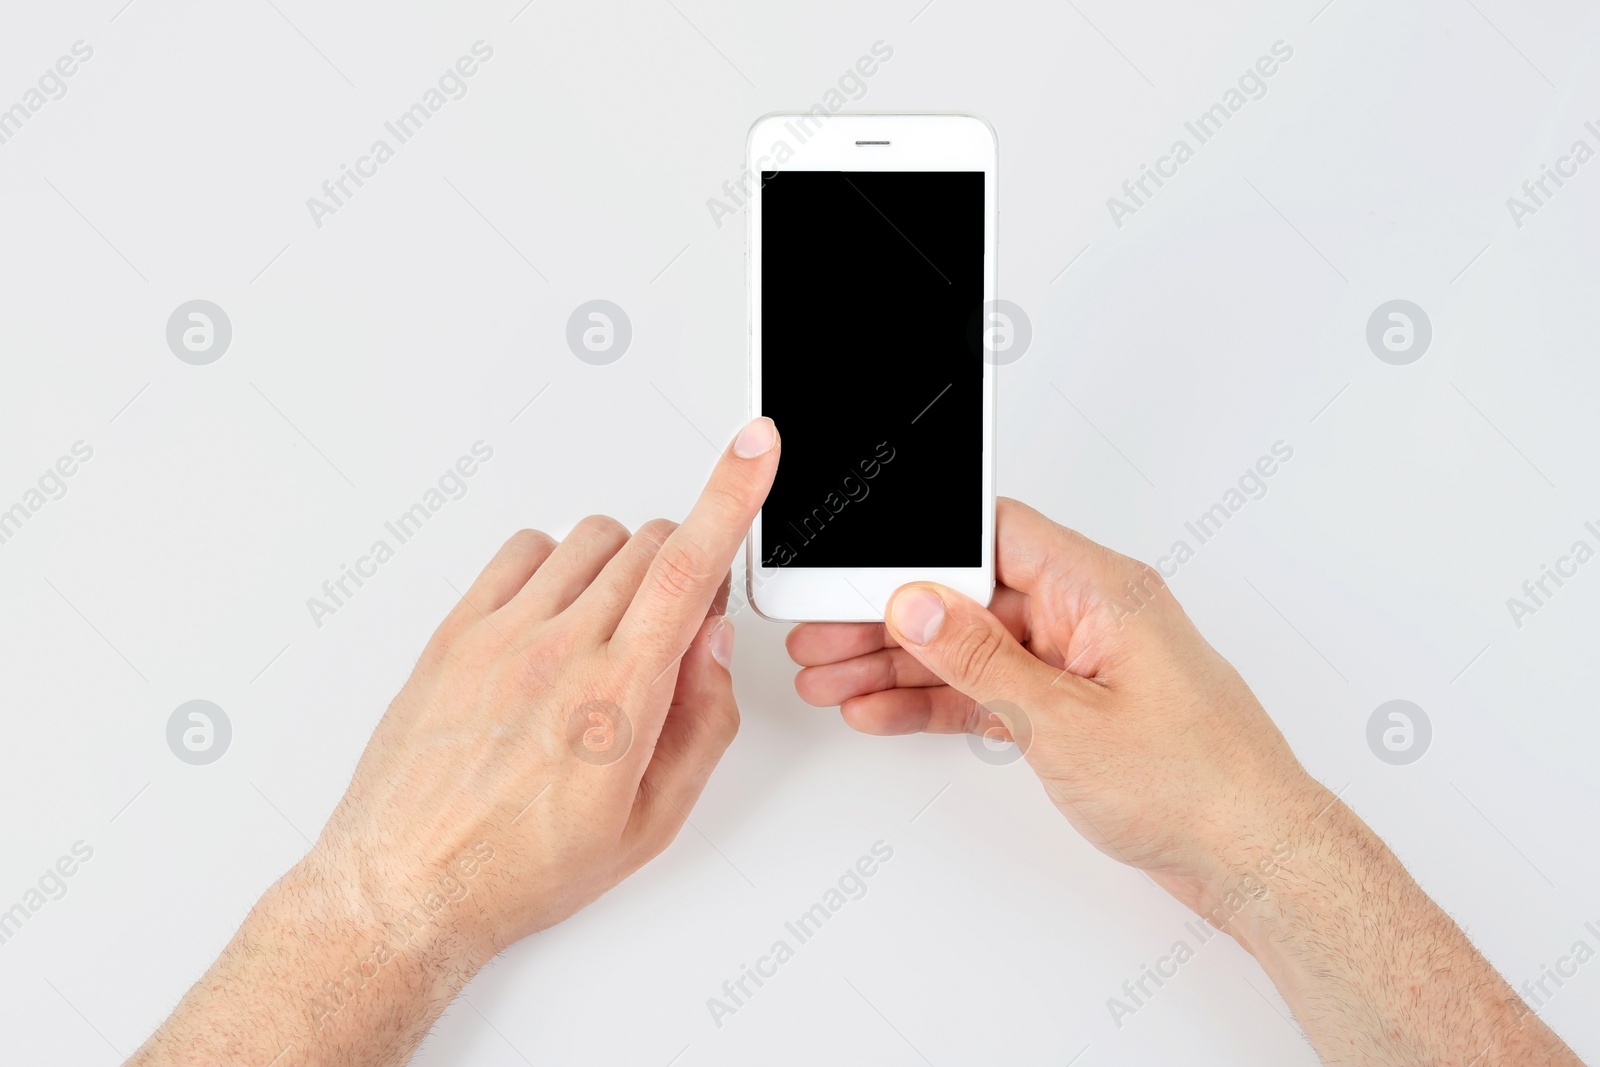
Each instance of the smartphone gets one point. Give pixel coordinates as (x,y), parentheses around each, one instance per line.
(871,260)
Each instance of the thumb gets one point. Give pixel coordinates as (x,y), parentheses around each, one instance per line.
(967,646)
(700,725)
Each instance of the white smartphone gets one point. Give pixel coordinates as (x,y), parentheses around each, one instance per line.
(871,257)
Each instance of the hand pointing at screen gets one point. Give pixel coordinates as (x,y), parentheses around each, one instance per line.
(553,737)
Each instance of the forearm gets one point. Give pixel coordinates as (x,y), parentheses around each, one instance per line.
(1373,969)
(313,977)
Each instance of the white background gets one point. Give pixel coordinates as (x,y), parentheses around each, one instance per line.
(370,353)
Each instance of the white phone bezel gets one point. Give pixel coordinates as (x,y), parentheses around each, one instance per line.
(815,141)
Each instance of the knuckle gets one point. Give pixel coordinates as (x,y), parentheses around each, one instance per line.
(681,570)
(657,839)
(1151,579)
(975,651)
(973,717)
(725,498)
(1136,580)
(436,654)
(461,655)
(602,528)
(892,669)
(539,666)
(527,542)
(657,530)
(1137,570)
(722,723)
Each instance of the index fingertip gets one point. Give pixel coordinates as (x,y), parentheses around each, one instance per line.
(757,438)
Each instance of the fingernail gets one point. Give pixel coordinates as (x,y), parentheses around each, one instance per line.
(917,615)
(756,439)
(721,641)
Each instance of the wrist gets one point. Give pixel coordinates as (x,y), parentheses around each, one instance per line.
(1257,860)
(1355,947)
(368,936)
(1326,863)
(316,970)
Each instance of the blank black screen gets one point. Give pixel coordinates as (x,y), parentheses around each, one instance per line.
(871,285)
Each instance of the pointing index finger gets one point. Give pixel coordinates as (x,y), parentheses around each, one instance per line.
(683,579)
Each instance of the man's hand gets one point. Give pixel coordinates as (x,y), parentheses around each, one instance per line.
(555,733)
(1147,740)
(1157,751)
(567,712)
